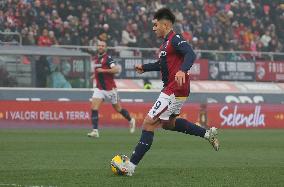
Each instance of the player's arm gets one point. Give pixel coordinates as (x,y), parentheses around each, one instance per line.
(113,68)
(147,67)
(183,48)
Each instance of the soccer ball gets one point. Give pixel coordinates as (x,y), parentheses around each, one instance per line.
(116,164)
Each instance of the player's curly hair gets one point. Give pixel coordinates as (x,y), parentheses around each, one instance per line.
(165,13)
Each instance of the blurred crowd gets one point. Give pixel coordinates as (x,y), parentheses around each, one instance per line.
(243,25)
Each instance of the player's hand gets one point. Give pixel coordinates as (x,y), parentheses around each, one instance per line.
(180,78)
(138,68)
(100,70)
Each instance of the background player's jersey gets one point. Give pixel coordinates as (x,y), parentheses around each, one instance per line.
(105,81)
(175,54)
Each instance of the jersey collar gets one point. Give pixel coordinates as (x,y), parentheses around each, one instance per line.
(168,35)
(101,55)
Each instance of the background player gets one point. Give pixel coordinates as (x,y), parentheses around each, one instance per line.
(175,59)
(105,68)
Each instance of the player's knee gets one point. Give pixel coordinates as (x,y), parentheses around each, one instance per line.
(150,124)
(147,127)
(95,107)
(117,107)
(167,125)
(96,103)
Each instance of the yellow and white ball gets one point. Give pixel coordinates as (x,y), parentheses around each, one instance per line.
(117,161)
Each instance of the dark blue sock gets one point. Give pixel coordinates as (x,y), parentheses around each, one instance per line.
(95,119)
(142,147)
(125,114)
(184,126)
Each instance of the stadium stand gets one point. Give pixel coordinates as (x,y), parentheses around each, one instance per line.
(243,25)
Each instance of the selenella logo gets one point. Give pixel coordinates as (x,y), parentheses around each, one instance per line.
(235,118)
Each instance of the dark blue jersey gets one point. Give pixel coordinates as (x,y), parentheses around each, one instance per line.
(175,55)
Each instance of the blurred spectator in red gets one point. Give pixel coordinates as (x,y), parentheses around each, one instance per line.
(210,8)
(44,39)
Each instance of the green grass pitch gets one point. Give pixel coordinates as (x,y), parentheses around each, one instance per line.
(67,157)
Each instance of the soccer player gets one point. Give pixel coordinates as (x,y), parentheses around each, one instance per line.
(105,68)
(175,59)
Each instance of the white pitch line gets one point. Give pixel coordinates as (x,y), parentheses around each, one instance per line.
(19,185)
(10,185)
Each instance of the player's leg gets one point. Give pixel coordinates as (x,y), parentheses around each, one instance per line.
(96,102)
(117,107)
(146,139)
(187,127)
(183,126)
(150,123)
(144,144)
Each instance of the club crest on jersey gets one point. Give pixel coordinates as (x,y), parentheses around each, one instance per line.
(162,54)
